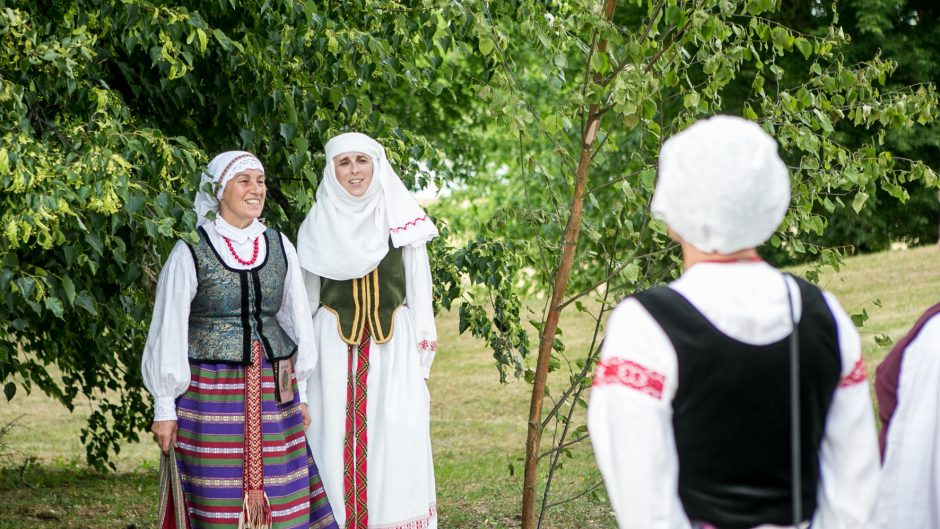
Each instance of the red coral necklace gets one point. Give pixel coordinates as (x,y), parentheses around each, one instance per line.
(254,254)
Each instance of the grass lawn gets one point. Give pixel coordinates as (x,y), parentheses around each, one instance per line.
(478,425)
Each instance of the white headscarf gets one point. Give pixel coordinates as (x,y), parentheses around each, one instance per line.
(722,185)
(345,237)
(220,170)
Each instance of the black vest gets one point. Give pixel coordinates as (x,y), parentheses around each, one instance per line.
(731,412)
(233,307)
(373,298)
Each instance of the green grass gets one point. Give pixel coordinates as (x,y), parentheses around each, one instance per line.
(905,283)
(72,496)
(478,425)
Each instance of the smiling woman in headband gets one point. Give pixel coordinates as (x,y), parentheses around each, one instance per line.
(231,315)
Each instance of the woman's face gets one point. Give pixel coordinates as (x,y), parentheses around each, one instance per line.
(243,198)
(354,172)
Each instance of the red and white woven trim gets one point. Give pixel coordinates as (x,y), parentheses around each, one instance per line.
(356,442)
(408,224)
(857,375)
(631,375)
(428,346)
(421,522)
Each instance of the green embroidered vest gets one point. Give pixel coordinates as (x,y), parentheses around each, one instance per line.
(232,308)
(373,298)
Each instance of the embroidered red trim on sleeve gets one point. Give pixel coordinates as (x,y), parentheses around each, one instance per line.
(857,375)
(427,345)
(408,224)
(630,374)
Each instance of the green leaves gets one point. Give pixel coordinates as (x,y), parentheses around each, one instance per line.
(108,114)
(756,7)
(486,46)
(26,287)
(859,201)
(55,306)
(859,318)
(804,46)
(68,287)
(86,301)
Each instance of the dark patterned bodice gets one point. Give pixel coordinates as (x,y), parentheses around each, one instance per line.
(233,307)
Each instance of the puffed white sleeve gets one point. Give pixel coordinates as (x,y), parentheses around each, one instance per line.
(418,296)
(294,317)
(165,363)
(630,421)
(848,459)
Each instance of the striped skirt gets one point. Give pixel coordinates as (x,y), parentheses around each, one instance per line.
(214,460)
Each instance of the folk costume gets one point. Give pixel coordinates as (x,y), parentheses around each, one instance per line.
(906,385)
(368,281)
(227,357)
(689,412)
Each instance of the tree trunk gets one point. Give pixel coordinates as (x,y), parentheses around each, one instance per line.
(547,338)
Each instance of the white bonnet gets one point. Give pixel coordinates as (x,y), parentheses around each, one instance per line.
(722,186)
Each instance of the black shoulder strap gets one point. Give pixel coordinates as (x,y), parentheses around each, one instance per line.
(796,474)
(203,240)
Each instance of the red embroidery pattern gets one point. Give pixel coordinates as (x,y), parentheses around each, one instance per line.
(355,451)
(630,374)
(408,224)
(428,346)
(857,375)
(230,164)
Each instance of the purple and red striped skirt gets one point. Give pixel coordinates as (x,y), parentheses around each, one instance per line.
(229,453)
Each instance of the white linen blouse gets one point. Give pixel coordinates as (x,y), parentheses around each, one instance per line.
(165,363)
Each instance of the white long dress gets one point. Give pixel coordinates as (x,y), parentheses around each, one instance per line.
(400,471)
(631,424)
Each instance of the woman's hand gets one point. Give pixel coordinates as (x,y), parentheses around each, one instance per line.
(305,414)
(164,433)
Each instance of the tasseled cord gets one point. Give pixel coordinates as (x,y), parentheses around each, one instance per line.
(256,511)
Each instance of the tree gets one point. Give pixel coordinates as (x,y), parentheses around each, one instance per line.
(905,33)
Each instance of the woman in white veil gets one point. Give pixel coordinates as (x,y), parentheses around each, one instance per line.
(365,266)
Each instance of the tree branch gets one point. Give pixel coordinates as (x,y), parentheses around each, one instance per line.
(623,66)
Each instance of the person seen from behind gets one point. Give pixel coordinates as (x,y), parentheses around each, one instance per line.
(690,414)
